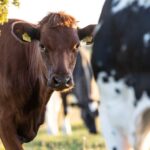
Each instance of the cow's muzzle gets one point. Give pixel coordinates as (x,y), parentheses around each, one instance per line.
(60,82)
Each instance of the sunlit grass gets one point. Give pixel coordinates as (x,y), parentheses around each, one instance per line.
(79,140)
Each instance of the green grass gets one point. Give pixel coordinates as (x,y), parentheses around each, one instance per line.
(79,140)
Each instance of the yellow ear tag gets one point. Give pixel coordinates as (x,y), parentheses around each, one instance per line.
(26,37)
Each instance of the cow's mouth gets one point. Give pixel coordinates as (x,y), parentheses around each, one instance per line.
(63,89)
(25,138)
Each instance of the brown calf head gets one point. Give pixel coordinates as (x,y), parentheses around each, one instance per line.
(58,40)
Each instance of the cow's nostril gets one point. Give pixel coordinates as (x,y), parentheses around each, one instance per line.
(57,81)
(68,80)
(60,82)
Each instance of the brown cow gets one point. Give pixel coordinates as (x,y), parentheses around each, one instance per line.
(35,60)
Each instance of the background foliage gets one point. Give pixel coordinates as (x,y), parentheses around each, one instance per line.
(4,4)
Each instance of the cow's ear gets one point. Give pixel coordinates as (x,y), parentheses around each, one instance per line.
(86,33)
(25,32)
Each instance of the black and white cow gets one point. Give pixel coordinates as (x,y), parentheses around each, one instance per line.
(121,64)
(84,80)
(84,96)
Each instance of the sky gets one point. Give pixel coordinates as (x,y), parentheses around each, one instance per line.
(85,11)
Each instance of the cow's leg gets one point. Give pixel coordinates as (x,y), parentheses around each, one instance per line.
(52,113)
(113,137)
(66,128)
(142,140)
(8,135)
(51,119)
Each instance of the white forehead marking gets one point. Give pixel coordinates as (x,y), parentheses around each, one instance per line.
(146,39)
(93,106)
(122,4)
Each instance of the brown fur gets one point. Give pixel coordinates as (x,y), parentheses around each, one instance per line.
(23,90)
(61,19)
(25,72)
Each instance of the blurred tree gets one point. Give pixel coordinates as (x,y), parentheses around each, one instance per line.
(4,9)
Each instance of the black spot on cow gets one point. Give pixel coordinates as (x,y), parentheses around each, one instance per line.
(135,103)
(117,91)
(140,83)
(105,79)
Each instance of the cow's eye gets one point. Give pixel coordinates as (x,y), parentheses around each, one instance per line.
(43,48)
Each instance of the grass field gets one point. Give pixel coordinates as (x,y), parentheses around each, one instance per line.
(79,140)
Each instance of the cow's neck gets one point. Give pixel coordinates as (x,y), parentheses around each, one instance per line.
(30,81)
